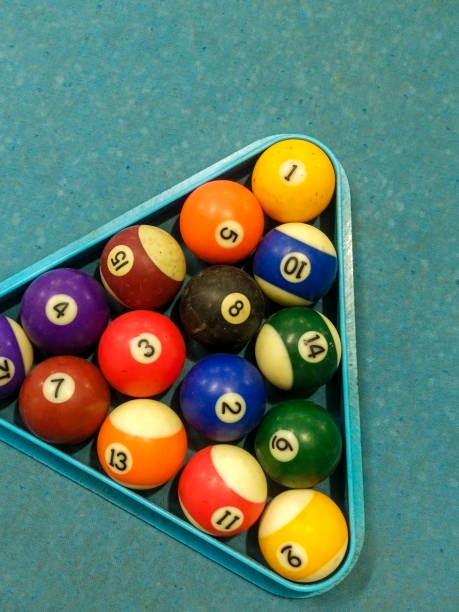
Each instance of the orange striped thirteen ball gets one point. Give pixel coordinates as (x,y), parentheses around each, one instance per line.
(142,444)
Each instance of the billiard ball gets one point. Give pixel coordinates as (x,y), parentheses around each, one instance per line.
(64,399)
(223,396)
(295,264)
(142,444)
(303,535)
(16,356)
(142,267)
(64,311)
(222,490)
(222,306)
(298,443)
(221,222)
(141,353)
(298,349)
(293,180)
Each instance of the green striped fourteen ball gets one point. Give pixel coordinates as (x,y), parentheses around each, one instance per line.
(298,349)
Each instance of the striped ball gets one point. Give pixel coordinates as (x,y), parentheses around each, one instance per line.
(16,356)
(295,264)
(142,444)
(142,267)
(303,535)
(222,490)
(298,349)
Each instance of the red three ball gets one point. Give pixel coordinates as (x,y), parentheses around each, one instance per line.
(141,353)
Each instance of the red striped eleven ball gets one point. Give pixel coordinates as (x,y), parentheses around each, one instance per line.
(142,444)
(142,266)
(222,490)
(303,535)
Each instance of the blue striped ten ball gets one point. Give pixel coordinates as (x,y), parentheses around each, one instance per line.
(223,396)
(222,490)
(303,535)
(295,264)
(298,349)
(16,356)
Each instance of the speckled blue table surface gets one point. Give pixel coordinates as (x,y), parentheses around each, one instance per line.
(104,104)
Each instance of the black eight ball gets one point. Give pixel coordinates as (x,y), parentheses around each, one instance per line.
(222,306)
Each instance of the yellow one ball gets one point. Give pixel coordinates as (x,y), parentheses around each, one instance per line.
(293,180)
(303,535)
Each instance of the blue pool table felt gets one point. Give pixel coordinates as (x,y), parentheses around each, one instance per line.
(104,104)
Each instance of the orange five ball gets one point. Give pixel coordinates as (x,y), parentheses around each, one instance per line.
(221,222)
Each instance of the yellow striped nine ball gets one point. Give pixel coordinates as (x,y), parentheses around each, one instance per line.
(303,535)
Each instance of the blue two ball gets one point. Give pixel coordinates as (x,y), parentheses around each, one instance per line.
(223,397)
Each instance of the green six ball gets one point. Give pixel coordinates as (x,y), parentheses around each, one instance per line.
(298,443)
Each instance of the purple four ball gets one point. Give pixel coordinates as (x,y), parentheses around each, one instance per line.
(64,311)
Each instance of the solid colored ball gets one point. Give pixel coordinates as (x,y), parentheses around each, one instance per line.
(142,444)
(221,222)
(295,264)
(142,267)
(64,311)
(223,396)
(141,353)
(293,180)
(303,535)
(298,443)
(16,356)
(298,349)
(64,400)
(222,306)
(222,490)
